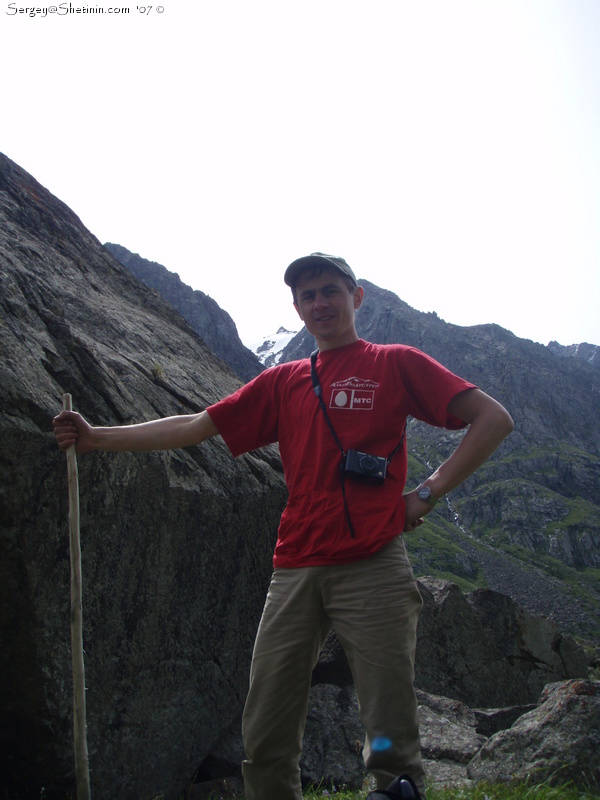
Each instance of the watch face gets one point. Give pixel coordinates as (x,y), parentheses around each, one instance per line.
(424,493)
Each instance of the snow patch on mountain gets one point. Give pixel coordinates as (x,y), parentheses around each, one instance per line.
(270,348)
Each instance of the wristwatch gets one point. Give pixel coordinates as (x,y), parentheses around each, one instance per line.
(424,493)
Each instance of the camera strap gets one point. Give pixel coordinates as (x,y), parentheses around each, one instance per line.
(318,390)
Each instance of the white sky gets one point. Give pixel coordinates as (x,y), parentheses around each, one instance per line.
(448,149)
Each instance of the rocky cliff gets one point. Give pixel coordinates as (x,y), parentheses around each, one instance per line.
(176,547)
(590,353)
(210,322)
(527,523)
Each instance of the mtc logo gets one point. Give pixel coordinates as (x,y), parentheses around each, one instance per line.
(352,399)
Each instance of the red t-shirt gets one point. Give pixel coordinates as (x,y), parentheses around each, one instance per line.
(369,391)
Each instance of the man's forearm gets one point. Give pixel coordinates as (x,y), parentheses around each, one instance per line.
(161,434)
(474,450)
(490,423)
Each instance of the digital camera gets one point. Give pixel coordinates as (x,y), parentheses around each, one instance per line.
(365,467)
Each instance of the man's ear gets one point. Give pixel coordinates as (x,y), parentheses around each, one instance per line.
(359,296)
(298,312)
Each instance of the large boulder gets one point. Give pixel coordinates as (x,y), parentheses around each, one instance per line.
(480,648)
(333,739)
(556,743)
(483,649)
(176,547)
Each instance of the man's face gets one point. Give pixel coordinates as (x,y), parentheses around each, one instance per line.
(326,304)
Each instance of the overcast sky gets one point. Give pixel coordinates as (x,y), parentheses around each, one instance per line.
(448,149)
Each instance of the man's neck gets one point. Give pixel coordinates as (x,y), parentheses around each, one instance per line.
(333,344)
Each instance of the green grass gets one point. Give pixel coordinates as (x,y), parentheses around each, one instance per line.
(481,791)
(512,792)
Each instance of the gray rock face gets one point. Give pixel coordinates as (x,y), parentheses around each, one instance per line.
(590,353)
(176,547)
(479,648)
(558,742)
(484,650)
(333,739)
(554,740)
(209,321)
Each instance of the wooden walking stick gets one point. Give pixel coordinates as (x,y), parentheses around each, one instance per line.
(82,773)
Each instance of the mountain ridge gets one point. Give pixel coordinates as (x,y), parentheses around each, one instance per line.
(203,313)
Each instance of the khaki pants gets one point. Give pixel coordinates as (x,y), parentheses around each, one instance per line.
(373,606)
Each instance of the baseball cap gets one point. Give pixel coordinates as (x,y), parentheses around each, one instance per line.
(317,260)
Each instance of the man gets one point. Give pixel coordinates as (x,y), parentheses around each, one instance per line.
(340,559)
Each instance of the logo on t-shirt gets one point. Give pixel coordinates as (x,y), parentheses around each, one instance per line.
(353,393)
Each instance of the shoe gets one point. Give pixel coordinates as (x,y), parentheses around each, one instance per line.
(401,788)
